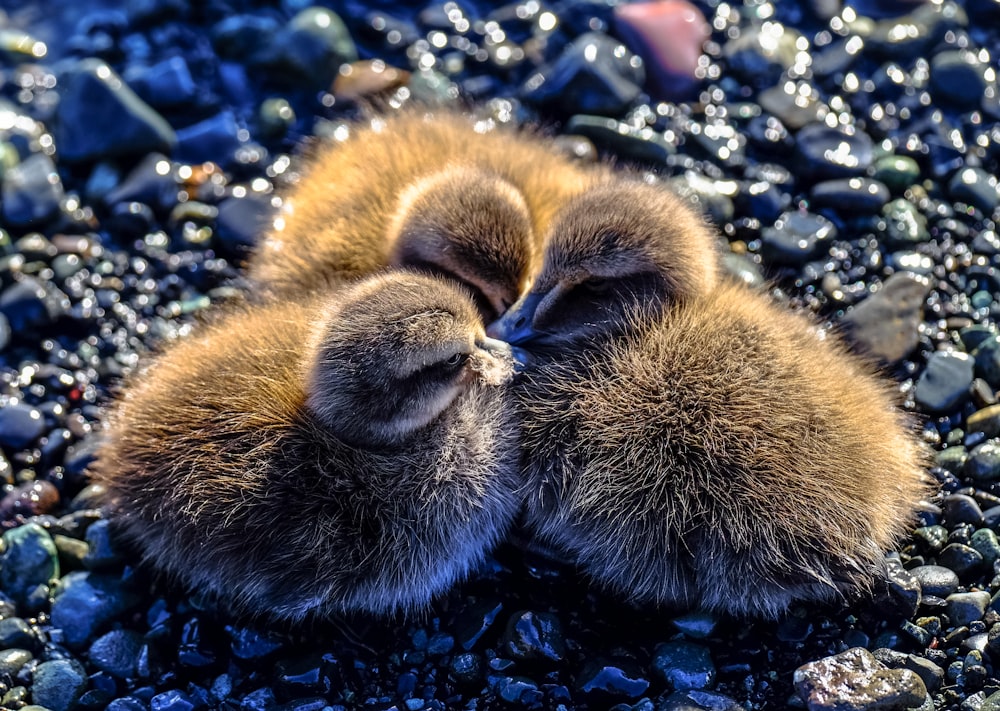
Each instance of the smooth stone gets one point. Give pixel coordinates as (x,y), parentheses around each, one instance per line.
(973,336)
(896,172)
(611,680)
(966,608)
(852,195)
(983,464)
(828,153)
(15,632)
(711,197)
(855,681)
(94,96)
(904,223)
(103,553)
(627,142)
(696,700)
(976,187)
(761,55)
(903,587)
(990,703)
(795,237)
(29,559)
(793,109)
(935,580)
(668,35)
(215,139)
(20,425)
(12,661)
(961,558)
(534,636)
(31,305)
(58,685)
(764,200)
(240,221)
(986,420)
(116,653)
(32,191)
(595,74)
(959,508)
(440,644)
(241,36)
(944,384)
(84,602)
(367,79)
(684,665)
(310,49)
(988,546)
(150,182)
(31,498)
(166,84)
(934,538)
(885,325)
(958,79)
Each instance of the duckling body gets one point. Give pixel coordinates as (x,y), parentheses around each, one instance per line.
(725,457)
(317,455)
(687,441)
(346,210)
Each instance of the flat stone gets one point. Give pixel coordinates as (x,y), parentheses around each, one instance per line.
(32,192)
(986,420)
(796,237)
(29,559)
(20,425)
(855,681)
(945,382)
(935,580)
(983,464)
(684,665)
(966,608)
(58,685)
(885,325)
(828,153)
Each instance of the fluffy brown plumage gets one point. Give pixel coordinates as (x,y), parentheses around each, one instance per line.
(686,440)
(346,210)
(317,455)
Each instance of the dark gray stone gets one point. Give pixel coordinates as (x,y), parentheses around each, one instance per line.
(32,192)
(957,77)
(84,602)
(975,187)
(29,559)
(987,355)
(241,220)
(855,681)
(684,665)
(885,325)
(944,384)
(965,608)
(59,684)
(983,464)
(936,580)
(851,195)
(639,144)
(828,153)
(20,425)
(795,237)
(116,653)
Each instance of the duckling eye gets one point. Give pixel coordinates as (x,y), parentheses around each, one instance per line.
(455,361)
(597,286)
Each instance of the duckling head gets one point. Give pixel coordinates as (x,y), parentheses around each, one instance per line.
(396,353)
(616,255)
(471,226)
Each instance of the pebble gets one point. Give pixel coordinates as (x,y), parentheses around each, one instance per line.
(684,665)
(84,602)
(93,97)
(13,660)
(534,636)
(828,153)
(855,681)
(595,74)
(644,145)
(852,195)
(240,220)
(966,608)
(962,559)
(935,580)
(976,187)
(611,680)
(960,508)
(29,305)
(896,172)
(958,78)
(29,559)
(217,137)
(795,237)
(945,382)
(904,224)
(58,685)
(312,47)
(983,464)
(31,192)
(760,55)
(116,653)
(668,35)
(885,324)
(16,633)
(985,542)
(20,425)
(987,356)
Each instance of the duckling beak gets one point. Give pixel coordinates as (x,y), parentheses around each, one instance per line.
(515,326)
(495,362)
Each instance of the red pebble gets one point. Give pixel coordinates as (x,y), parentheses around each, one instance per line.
(668,35)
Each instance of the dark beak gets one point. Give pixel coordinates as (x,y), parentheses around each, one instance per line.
(515,326)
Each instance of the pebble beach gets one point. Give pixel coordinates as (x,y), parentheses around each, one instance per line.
(847,153)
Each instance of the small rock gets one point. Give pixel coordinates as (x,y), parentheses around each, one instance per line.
(668,35)
(828,153)
(30,305)
(12,660)
(903,586)
(986,420)
(965,608)
(116,653)
(897,172)
(311,48)
(795,237)
(594,75)
(961,558)
(534,636)
(59,684)
(367,79)
(93,97)
(975,187)
(684,665)
(983,464)
(855,680)
(935,580)
(760,55)
(958,78)
(103,553)
(32,191)
(987,355)
(20,425)
(642,145)
(985,542)
(612,680)
(15,632)
(29,559)
(959,508)
(945,382)
(696,625)
(696,700)
(905,225)
(862,196)
(166,84)
(885,325)
(215,139)
(241,220)
(84,602)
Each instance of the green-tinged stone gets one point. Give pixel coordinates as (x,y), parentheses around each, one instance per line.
(986,420)
(985,541)
(29,559)
(904,223)
(897,172)
(953,459)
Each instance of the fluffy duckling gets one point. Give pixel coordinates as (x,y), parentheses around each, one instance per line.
(347,209)
(713,451)
(320,455)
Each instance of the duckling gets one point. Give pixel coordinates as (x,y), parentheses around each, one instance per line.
(346,211)
(712,450)
(325,454)
(621,251)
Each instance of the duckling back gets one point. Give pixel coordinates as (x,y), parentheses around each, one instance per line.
(727,457)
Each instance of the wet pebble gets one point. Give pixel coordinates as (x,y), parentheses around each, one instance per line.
(32,192)
(945,382)
(20,426)
(960,508)
(828,153)
(310,49)
(958,78)
(897,173)
(13,660)
(240,220)
(644,144)
(29,560)
(987,356)
(15,632)
(668,35)
(853,195)
(983,464)
(903,223)
(966,608)
(962,559)
(885,325)
(595,74)
(795,237)
(59,684)
(534,636)
(116,653)
(611,680)
(684,665)
(30,305)
(94,97)
(83,602)
(935,580)
(975,187)
(854,681)
(760,55)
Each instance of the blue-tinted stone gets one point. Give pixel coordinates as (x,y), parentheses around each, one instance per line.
(12,660)
(84,602)
(151,182)
(29,559)
(961,558)
(59,684)
(958,78)
(534,636)
(827,153)
(172,700)
(29,305)
(885,325)
(975,187)
(935,580)
(241,36)
(32,191)
(241,220)
(945,382)
(117,653)
(684,665)
(795,237)
(16,633)
(250,643)
(594,75)
(965,608)
(696,625)
(310,49)
(215,139)
(959,508)
(611,679)
(94,98)
(20,425)
(165,84)
(629,143)
(760,55)
(850,195)
(983,464)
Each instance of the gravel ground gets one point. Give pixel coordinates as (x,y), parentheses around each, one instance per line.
(848,153)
